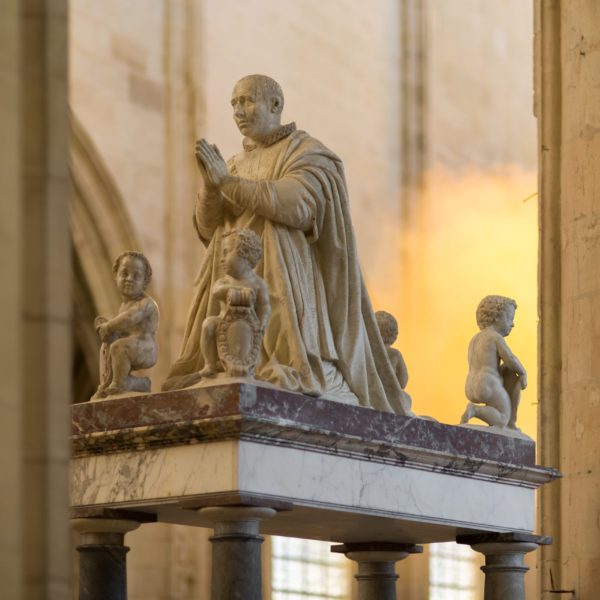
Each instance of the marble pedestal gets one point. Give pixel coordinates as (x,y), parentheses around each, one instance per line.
(332,472)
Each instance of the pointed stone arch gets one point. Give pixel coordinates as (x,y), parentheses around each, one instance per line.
(101,229)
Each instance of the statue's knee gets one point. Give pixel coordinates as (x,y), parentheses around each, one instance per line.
(210,325)
(120,348)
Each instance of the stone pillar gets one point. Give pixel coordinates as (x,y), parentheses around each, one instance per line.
(236,562)
(504,561)
(377,566)
(102,564)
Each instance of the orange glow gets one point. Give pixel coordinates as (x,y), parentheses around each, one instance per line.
(471,236)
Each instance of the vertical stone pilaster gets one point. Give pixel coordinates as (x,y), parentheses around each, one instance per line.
(236,552)
(377,566)
(504,561)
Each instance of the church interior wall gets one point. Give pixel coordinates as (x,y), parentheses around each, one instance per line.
(478,190)
(567,100)
(146,78)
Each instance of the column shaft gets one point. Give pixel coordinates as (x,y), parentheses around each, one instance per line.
(236,552)
(102,562)
(102,572)
(236,565)
(377,580)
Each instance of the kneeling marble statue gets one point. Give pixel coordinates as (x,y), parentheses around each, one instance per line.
(388,328)
(290,189)
(129,339)
(496,376)
(231,341)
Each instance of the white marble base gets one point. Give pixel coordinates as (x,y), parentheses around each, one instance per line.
(335,497)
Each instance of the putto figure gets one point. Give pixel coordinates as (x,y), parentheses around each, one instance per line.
(496,376)
(286,186)
(388,328)
(231,341)
(129,339)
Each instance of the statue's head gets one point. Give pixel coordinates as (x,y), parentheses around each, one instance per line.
(257,102)
(133,273)
(243,243)
(498,312)
(388,326)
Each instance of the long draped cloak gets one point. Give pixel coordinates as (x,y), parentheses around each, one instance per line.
(293,194)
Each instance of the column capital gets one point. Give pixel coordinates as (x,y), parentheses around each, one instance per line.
(103,531)
(376,566)
(509,537)
(504,565)
(106,526)
(376,551)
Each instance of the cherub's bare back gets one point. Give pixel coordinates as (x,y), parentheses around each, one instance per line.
(483,352)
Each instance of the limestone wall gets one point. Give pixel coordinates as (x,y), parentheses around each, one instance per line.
(338,65)
(568,101)
(474,230)
(35,306)
(12,542)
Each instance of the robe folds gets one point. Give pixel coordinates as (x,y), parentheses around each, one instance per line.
(293,194)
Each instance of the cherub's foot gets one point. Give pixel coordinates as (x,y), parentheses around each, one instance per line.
(100,393)
(208,371)
(113,389)
(468,414)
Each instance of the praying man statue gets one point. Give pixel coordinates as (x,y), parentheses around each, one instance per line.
(322,338)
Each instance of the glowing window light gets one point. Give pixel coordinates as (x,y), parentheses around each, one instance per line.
(452,572)
(307,570)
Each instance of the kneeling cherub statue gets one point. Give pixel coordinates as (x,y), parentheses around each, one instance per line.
(388,328)
(496,376)
(129,339)
(231,340)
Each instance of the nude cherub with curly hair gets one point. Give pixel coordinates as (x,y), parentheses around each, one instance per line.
(496,376)
(129,339)
(242,251)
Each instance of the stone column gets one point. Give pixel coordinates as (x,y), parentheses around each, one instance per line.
(102,565)
(236,562)
(377,566)
(504,561)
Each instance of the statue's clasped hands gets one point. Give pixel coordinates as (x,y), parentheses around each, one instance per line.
(211,163)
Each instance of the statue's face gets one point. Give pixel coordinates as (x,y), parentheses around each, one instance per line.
(233,264)
(251,112)
(506,321)
(131,277)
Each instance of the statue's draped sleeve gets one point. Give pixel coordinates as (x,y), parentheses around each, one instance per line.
(288,201)
(209,210)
